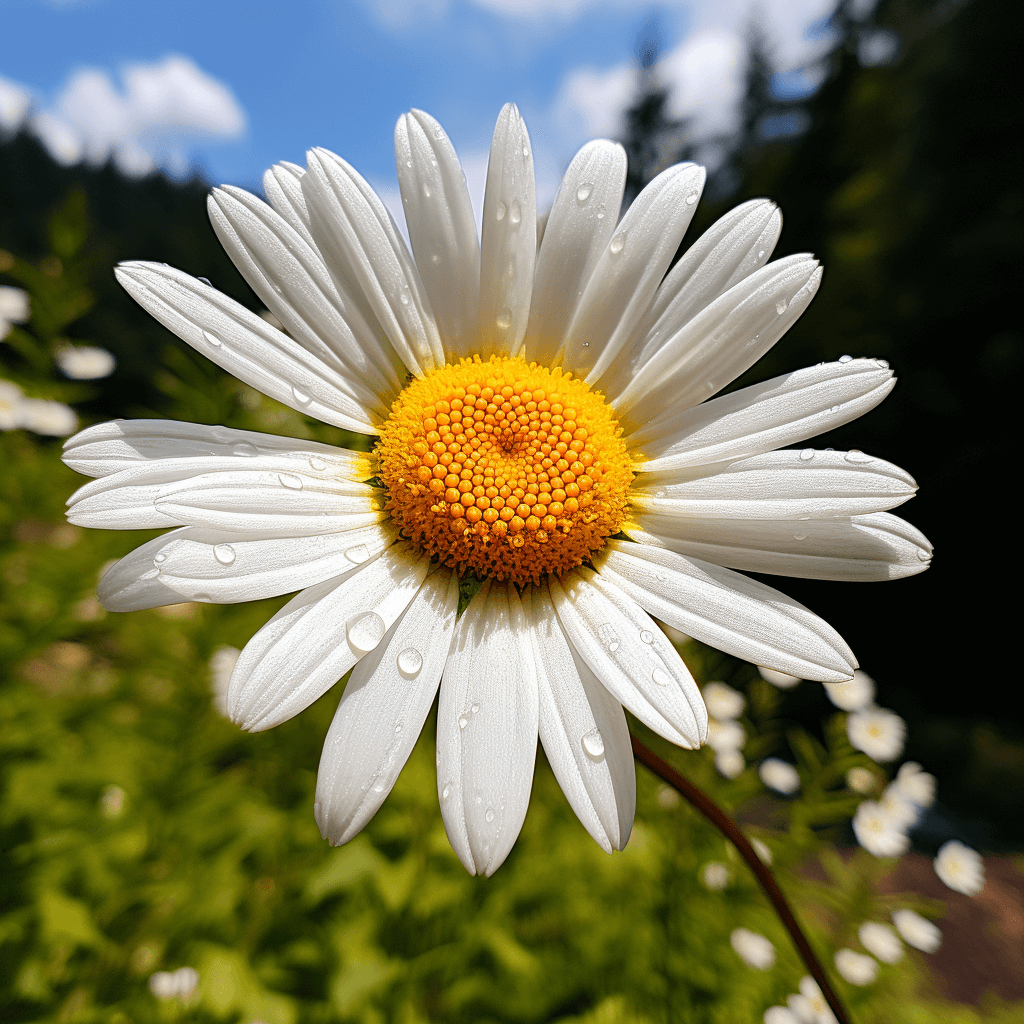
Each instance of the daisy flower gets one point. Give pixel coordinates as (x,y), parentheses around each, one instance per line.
(547,432)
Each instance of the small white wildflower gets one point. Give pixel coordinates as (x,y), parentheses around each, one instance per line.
(728,735)
(54,419)
(112,802)
(783,680)
(11,401)
(854,694)
(808,1005)
(780,1015)
(163,985)
(916,786)
(763,851)
(900,810)
(917,931)
(860,780)
(85,362)
(14,308)
(730,763)
(879,733)
(187,980)
(877,833)
(753,949)
(779,775)
(881,941)
(856,968)
(714,875)
(222,664)
(723,702)
(961,868)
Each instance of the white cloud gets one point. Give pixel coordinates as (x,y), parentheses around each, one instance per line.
(14,104)
(153,119)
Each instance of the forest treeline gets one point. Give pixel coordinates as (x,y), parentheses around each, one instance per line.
(901,172)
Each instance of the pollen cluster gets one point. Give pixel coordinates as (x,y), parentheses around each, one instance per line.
(504,468)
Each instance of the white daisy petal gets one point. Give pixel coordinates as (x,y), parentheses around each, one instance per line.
(318,636)
(584,731)
(117,445)
(383,710)
(224,568)
(630,655)
(283,186)
(264,492)
(359,240)
(731,249)
(242,343)
(718,344)
(785,484)
(630,269)
(442,228)
(726,610)
(579,227)
(508,247)
(291,279)
(487,722)
(878,546)
(763,417)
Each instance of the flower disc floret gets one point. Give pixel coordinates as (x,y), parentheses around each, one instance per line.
(504,468)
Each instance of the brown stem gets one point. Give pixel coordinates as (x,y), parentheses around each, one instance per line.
(731,831)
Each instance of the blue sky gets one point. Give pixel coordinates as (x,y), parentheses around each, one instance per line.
(236,87)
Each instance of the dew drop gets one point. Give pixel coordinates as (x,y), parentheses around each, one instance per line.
(807,454)
(593,743)
(475,708)
(504,320)
(426,191)
(206,281)
(583,192)
(646,636)
(161,557)
(289,480)
(224,553)
(398,728)
(408,163)
(924,556)
(204,598)
(515,213)
(526,149)
(760,255)
(463,721)
(882,364)
(366,631)
(499,213)
(692,198)
(410,662)
(799,536)
(358,553)
(379,788)
(300,396)
(661,677)
(489,815)
(586,344)
(212,339)
(846,359)
(446,792)
(600,212)
(857,457)
(318,464)
(616,245)
(403,297)
(781,306)
(662,577)
(244,449)
(834,409)
(151,575)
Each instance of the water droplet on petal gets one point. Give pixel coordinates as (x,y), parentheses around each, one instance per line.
(857,457)
(358,553)
(515,213)
(882,364)
(499,213)
(846,359)
(646,636)
(409,662)
(807,454)
(318,464)
(446,792)
(244,449)
(403,296)
(300,396)
(290,481)
(834,409)
(760,255)
(379,788)
(781,306)
(662,577)
(799,536)
(408,163)
(924,556)
(206,281)
(366,631)
(161,557)
(212,339)
(661,677)
(692,198)
(224,553)
(600,212)
(151,575)
(426,191)
(583,192)
(615,246)
(489,815)
(463,721)
(475,708)
(593,743)
(504,320)
(398,728)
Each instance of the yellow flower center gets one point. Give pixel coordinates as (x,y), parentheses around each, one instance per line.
(504,468)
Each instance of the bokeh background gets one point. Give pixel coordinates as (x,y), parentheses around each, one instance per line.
(142,832)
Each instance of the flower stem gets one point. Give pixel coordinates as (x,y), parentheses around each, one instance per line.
(731,831)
